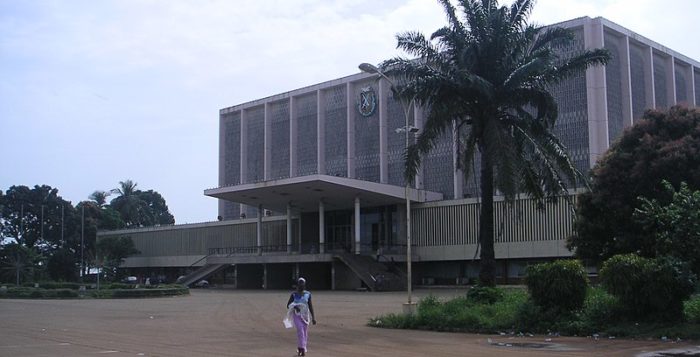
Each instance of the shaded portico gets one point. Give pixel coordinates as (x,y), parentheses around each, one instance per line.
(321,194)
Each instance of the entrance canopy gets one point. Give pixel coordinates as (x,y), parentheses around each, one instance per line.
(305,192)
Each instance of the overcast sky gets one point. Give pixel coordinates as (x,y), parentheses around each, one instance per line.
(96,92)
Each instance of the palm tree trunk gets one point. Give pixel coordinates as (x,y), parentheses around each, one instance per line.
(487,276)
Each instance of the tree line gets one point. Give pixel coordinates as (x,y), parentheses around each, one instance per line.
(42,235)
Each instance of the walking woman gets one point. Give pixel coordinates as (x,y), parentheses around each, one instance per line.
(301,311)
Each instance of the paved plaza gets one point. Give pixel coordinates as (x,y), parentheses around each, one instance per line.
(249,323)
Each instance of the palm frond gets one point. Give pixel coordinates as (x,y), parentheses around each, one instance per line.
(578,64)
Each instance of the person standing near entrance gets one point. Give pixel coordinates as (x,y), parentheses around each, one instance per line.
(301,311)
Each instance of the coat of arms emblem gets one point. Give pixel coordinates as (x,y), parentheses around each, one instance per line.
(367,102)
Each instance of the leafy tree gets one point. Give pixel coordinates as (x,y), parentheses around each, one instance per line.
(112,251)
(660,146)
(22,211)
(676,225)
(489,72)
(140,209)
(19,263)
(63,265)
(159,209)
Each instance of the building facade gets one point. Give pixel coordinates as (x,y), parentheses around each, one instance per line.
(315,175)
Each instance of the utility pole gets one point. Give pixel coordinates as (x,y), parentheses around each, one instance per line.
(82,242)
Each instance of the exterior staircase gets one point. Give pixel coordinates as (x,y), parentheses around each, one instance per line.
(376,275)
(201,273)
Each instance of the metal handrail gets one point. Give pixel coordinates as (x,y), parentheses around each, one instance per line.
(306,248)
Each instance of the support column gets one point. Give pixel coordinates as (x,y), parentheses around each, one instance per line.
(671,81)
(649,73)
(244,156)
(320,133)
(259,229)
(267,142)
(690,85)
(333,275)
(264,282)
(694,100)
(321,227)
(383,114)
(299,233)
(357,226)
(627,115)
(235,276)
(293,125)
(350,130)
(596,93)
(296,272)
(289,227)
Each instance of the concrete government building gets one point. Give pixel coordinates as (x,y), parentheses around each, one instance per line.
(310,181)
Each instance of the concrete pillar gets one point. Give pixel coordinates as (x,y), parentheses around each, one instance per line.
(244,154)
(296,272)
(627,116)
(350,129)
(596,93)
(357,226)
(649,73)
(259,229)
(299,232)
(690,85)
(289,227)
(293,125)
(267,142)
(383,132)
(235,276)
(264,282)
(321,132)
(222,162)
(333,275)
(692,93)
(321,227)
(670,81)
(244,147)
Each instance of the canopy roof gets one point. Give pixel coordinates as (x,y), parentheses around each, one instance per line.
(305,192)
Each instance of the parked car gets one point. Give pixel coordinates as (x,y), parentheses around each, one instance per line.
(130,280)
(201,284)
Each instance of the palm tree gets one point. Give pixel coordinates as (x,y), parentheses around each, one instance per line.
(100,197)
(126,188)
(129,204)
(489,72)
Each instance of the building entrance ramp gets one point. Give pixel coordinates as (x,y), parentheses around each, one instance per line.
(377,276)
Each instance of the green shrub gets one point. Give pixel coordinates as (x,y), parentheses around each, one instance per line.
(60,285)
(484,294)
(119,286)
(459,314)
(559,285)
(139,293)
(691,310)
(39,293)
(648,289)
(599,310)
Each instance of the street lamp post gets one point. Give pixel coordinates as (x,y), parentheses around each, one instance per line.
(409,307)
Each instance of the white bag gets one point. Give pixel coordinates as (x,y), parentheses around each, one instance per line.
(287,321)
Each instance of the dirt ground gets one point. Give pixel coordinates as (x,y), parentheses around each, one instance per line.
(249,323)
